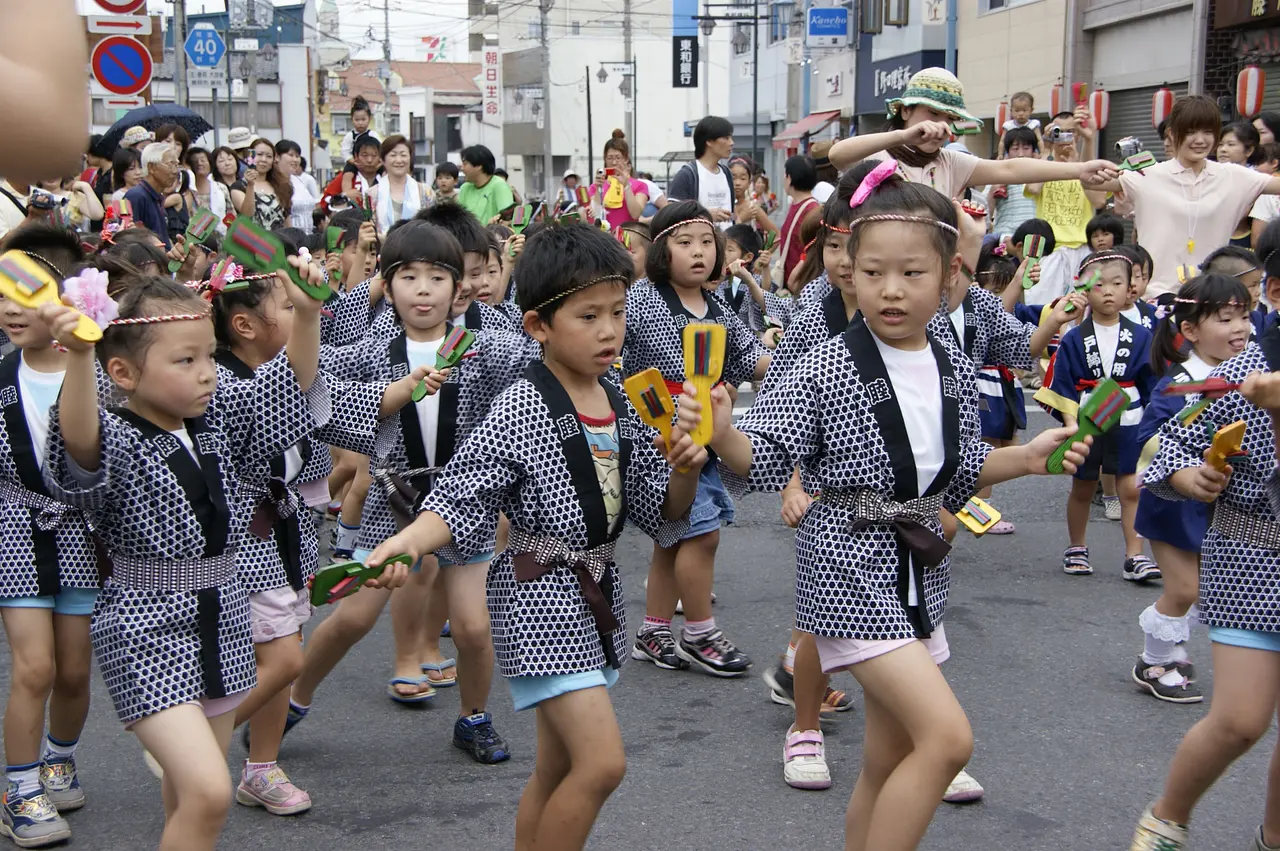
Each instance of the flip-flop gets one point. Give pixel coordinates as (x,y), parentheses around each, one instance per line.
(445,631)
(443,682)
(421,697)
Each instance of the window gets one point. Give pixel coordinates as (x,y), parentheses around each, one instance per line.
(780,15)
(985,6)
(575,28)
(393,124)
(872,16)
(418,128)
(535,29)
(896,16)
(341,122)
(475,42)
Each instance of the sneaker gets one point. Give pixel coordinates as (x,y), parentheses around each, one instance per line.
(1001,527)
(339,556)
(836,701)
(1140,569)
(963,789)
(714,654)
(291,720)
(475,735)
(273,791)
(657,645)
(1075,561)
(58,777)
(1097,495)
(1111,506)
(1156,834)
(1259,843)
(32,821)
(1166,682)
(804,760)
(782,685)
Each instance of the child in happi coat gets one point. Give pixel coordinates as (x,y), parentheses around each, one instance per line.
(885,416)
(563,455)
(1208,324)
(685,257)
(161,482)
(422,265)
(49,574)
(1104,345)
(1239,566)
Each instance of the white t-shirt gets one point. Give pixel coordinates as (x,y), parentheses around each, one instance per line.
(957,322)
(713,191)
(1198,369)
(429,408)
(1032,124)
(1266,208)
(914,376)
(1108,339)
(39,393)
(652,190)
(822,191)
(185,439)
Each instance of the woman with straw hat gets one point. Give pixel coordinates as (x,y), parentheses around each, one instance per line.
(919,128)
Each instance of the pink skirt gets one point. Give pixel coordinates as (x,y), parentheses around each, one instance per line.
(840,653)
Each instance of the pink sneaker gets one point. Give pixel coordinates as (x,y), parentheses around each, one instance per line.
(272,790)
(1001,527)
(804,760)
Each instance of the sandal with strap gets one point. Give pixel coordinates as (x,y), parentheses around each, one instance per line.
(1075,561)
(429,668)
(804,760)
(420,697)
(1139,568)
(836,701)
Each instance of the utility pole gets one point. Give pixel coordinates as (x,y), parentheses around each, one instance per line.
(386,77)
(806,71)
(548,162)
(179,54)
(755,74)
(629,118)
(591,150)
(708,27)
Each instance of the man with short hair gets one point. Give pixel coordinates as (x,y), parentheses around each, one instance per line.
(484,194)
(159,171)
(707,180)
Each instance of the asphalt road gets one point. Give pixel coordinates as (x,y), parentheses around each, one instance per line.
(1067,748)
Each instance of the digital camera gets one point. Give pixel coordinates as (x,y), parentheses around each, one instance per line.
(1057,134)
(41,200)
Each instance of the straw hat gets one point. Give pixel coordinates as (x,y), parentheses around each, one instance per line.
(136,136)
(936,88)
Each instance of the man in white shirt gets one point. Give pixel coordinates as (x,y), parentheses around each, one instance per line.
(705,179)
(13,205)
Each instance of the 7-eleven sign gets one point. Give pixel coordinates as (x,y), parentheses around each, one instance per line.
(433,46)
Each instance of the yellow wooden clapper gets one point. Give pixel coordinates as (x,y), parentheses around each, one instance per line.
(703,365)
(24,281)
(648,393)
(1227,441)
(977,516)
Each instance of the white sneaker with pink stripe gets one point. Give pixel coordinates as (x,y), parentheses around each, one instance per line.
(804,760)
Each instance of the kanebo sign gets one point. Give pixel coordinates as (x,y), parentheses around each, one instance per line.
(827,27)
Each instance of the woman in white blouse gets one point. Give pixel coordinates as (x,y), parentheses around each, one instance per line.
(289,161)
(210,193)
(399,195)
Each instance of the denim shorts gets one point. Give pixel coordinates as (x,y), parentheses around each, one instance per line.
(361,555)
(68,601)
(527,692)
(1251,638)
(712,504)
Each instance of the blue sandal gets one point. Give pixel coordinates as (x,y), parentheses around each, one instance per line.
(420,697)
(443,682)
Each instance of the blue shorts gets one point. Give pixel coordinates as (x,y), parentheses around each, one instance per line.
(712,504)
(529,691)
(68,601)
(361,555)
(1250,638)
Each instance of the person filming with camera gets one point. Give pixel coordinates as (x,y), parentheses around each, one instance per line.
(1065,204)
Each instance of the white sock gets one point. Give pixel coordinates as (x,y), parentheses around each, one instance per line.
(59,750)
(1162,635)
(26,776)
(789,662)
(347,536)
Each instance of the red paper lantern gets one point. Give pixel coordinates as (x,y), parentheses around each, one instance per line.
(1100,107)
(1250,83)
(1002,113)
(1055,100)
(1161,106)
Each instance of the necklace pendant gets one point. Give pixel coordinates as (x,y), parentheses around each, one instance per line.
(1191,246)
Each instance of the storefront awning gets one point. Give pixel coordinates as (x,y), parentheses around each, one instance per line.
(807,126)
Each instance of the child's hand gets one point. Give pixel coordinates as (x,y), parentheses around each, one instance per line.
(435,378)
(1098,171)
(771,338)
(1043,445)
(1202,483)
(927,131)
(368,236)
(1262,389)
(303,304)
(735,268)
(397,574)
(333,263)
(762,262)
(63,320)
(683,453)
(515,244)
(795,502)
(1060,317)
(179,251)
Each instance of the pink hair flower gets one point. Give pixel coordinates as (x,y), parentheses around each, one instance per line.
(874,178)
(88,292)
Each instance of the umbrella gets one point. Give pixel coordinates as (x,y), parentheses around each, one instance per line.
(151,117)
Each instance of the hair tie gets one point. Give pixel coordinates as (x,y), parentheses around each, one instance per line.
(894,217)
(832,227)
(999,250)
(391,270)
(874,178)
(1103,258)
(46,261)
(669,228)
(88,292)
(591,283)
(152,320)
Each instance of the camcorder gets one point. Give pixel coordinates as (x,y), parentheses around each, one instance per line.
(41,200)
(1057,134)
(1128,146)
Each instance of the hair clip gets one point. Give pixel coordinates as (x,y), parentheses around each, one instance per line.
(874,178)
(999,250)
(88,292)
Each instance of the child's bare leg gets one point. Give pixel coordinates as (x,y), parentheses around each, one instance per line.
(469,625)
(408,628)
(549,769)
(1181,574)
(336,635)
(910,686)
(1078,507)
(279,663)
(73,653)
(695,564)
(662,591)
(31,645)
(1271,816)
(810,684)
(1108,485)
(885,745)
(192,750)
(1246,684)
(586,727)
(1127,490)
(436,616)
(996,442)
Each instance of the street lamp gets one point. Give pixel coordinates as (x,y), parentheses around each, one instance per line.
(708,27)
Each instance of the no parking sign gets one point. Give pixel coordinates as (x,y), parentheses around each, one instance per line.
(122,65)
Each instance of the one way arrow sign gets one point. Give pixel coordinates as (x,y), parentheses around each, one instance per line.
(120,24)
